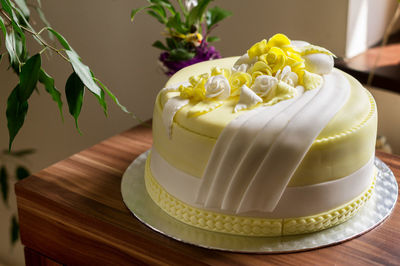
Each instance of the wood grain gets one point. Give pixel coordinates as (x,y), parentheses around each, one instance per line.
(33,258)
(72,212)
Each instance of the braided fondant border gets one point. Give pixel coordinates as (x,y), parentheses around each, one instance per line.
(249,226)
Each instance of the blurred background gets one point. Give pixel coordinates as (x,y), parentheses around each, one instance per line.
(120,54)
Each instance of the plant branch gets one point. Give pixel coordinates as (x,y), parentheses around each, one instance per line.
(37,35)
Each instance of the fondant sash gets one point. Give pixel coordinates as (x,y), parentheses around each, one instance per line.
(270,140)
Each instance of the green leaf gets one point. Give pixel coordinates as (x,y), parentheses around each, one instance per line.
(213,39)
(6,5)
(180,55)
(10,46)
(48,83)
(160,11)
(74,91)
(196,14)
(16,112)
(4,184)
(83,72)
(22,173)
(137,10)
(14,230)
(102,102)
(43,18)
(24,8)
(20,153)
(60,38)
(3,27)
(20,50)
(176,23)
(157,16)
(112,96)
(28,77)
(215,15)
(172,43)
(164,3)
(160,45)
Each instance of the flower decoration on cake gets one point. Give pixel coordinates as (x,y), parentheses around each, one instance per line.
(187,30)
(269,72)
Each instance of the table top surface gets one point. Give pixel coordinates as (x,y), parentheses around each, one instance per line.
(387,62)
(73,213)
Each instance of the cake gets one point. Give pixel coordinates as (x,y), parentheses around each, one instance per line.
(274,142)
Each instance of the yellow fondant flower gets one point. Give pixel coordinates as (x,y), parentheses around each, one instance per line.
(278,40)
(239,79)
(261,66)
(258,49)
(196,90)
(276,59)
(186,92)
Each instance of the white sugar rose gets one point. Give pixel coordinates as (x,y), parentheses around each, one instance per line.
(240,68)
(287,76)
(243,63)
(263,84)
(218,86)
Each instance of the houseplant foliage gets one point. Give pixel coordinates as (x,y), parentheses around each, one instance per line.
(15,27)
(12,166)
(187,31)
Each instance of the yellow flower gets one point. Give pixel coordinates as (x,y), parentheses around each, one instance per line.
(276,59)
(258,49)
(261,66)
(199,91)
(239,79)
(185,92)
(196,90)
(278,40)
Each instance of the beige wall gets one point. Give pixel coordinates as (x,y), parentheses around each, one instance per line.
(120,54)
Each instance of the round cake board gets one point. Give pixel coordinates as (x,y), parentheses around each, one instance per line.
(374,212)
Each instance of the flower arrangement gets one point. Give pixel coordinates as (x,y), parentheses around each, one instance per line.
(269,72)
(187,31)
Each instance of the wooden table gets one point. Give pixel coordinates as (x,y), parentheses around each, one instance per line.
(72,213)
(387,72)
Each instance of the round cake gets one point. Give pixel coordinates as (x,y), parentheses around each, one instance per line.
(275,142)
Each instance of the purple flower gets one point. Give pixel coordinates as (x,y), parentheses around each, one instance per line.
(203,53)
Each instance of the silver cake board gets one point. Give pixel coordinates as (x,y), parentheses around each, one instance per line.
(374,212)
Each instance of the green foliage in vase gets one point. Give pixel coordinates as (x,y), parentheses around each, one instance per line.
(12,168)
(14,29)
(187,25)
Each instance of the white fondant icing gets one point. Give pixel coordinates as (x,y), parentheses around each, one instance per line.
(264,192)
(245,59)
(238,182)
(248,99)
(287,76)
(227,149)
(295,201)
(170,108)
(218,86)
(263,84)
(318,63)
(299,44)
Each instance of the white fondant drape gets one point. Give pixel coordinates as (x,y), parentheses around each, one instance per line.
(257,153)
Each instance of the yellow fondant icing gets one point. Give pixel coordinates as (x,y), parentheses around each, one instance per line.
(249,226)
(343,146)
